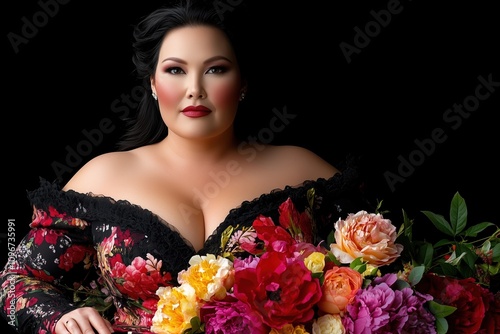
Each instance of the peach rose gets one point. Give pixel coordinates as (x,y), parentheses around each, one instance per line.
(368,236)
(339,288)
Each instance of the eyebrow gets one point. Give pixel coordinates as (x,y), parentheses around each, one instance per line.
(209,60)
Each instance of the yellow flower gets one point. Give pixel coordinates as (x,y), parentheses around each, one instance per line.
(176,307)
(315,262)
(290,329)
(371,270)
(328,324)
(209,276)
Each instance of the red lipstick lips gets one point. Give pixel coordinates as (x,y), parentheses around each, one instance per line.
(196,111)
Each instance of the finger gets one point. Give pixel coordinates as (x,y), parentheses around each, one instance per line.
(100,325)
(84,326)
(72,326)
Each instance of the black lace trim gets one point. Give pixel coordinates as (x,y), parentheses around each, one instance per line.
(340,195)
(164,241)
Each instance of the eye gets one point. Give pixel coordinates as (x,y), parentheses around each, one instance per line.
(217,70)
(174,70)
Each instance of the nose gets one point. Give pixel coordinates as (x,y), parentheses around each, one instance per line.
(195,88)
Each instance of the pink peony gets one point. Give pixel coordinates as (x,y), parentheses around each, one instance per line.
(382,309)
(231,316)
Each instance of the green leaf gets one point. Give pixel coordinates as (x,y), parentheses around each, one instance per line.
(496,253)
(416,275)
(331,258)
(458,214)
(408,249)
(196,326)
(443,242)
(400,285)
(317,275)
(469,258)
(486,246)
(446,269)
(406,228)
(330,239)
(474,230)
(440,223)
(441,326)
(356,262)
(425,254)
(440,310)
(358,265)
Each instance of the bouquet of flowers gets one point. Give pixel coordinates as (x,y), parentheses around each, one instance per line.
(367,277)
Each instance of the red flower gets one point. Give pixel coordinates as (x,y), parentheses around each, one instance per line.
(281,289)
(49,236)
(136,281)
(491,322)
(40,274)
(299,224)
(40,218)
(126,237)
(54,213)
(74,254)
(113,260)
(275,238)
(470,299)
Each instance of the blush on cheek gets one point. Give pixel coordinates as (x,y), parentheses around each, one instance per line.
(224,95)
(169,96)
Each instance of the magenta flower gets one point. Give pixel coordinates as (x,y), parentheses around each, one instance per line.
(230,316)
(380,308)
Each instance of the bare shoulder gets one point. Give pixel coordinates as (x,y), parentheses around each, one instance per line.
(301,162)
(101,173)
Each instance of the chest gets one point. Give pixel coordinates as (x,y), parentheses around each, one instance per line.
(196,200)
(195,205)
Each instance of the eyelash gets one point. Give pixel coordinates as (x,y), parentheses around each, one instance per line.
(217,69)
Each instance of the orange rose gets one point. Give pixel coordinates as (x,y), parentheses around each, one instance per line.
(368,236)
(339,288)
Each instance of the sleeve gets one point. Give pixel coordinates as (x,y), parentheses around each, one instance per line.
(41,275)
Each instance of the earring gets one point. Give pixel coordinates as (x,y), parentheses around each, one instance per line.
(242,96)
(154,95)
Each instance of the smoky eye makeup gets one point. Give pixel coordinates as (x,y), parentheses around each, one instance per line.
(174,70)
(219,69)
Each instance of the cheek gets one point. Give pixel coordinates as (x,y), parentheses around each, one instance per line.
(169,94)
(225,94)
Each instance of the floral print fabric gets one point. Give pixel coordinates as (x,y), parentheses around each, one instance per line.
(91,250)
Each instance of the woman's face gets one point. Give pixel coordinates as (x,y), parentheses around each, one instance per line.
(197,67)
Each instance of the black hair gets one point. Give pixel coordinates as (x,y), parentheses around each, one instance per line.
(147,127)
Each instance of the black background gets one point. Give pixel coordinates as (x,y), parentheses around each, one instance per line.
(64,78)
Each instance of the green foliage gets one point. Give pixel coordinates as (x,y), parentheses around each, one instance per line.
(196,327)
(358,265)
(441,312)
(462,251)
(416,275)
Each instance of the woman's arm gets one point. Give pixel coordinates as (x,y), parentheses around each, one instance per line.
(52,261)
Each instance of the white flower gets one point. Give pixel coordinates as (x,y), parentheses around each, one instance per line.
(328,324)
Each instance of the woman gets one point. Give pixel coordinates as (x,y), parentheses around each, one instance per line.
(130,220)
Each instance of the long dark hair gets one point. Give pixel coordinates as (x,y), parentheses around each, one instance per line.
(147,127)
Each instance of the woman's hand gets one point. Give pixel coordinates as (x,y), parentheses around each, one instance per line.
(85,320)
